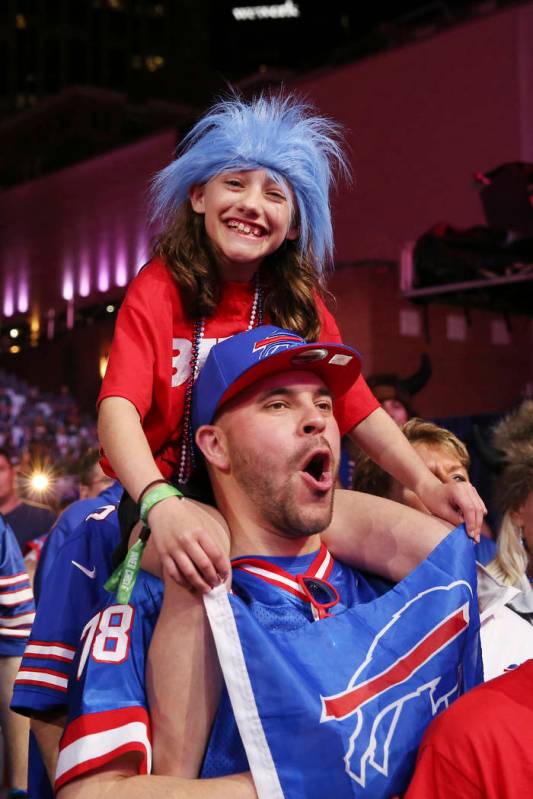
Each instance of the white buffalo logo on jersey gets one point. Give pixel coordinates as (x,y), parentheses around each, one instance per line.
(417,683)
(181,357)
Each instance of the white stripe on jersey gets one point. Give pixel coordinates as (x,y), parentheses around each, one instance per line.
(14,579)
(45,650)
(16,621)
(16,597)
(53,680)
(22,632)
(98,744)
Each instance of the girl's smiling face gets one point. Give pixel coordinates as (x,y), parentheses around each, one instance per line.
(247,217)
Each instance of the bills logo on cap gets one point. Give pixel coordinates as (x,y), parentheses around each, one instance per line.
(380,693)
(280,340)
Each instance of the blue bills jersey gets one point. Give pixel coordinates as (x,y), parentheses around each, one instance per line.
(17,610)
(107,693)
(67,524)
(343,680)
(338,708)
(71,593)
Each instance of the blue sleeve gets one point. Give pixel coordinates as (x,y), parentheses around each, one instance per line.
(107,699)
(17,610)
(72,592)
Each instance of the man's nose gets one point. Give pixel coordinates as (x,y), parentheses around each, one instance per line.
(312,421)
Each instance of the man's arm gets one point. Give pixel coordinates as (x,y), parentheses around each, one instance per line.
(182,664)
(383,441)
(381,536)
(48,729)
(120,780)
(14,727)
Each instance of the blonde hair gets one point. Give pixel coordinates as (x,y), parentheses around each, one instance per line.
(514,486)
(419,431)
(371,479)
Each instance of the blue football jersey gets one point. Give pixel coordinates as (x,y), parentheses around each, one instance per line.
(73,591)
(107,693)
(67,524)
(17,610)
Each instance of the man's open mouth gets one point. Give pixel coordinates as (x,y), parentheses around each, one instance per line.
(318,469)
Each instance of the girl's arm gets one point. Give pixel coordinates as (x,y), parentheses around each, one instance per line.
(383,441)
(381,536)
(184,536)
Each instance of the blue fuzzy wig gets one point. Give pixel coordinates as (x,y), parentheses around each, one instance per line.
(278,134)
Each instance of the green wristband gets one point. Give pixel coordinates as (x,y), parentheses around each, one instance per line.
(123,578)
(157,494)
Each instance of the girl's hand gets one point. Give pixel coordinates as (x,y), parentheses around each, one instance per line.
(192,542)
(456,503)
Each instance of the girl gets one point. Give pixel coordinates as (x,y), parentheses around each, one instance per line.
(247,234)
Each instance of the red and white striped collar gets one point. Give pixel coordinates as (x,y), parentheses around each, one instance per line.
(320,568)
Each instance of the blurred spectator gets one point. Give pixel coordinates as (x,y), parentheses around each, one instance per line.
(99,494)
(505,638)
(17,613)
(442,452)
(513,564)
(395,393)
(27,519)
(55,422)
(93,479)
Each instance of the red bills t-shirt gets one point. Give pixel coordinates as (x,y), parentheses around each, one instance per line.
(150,356)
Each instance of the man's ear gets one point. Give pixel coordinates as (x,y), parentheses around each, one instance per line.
(211,441)
(197,198)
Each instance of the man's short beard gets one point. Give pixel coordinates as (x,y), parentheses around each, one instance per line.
(275,504)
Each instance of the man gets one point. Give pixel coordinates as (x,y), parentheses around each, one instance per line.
(16,617)
(27,519)
(264,421)
(74,564)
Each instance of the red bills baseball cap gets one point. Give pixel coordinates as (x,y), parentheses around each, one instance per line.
(242,360)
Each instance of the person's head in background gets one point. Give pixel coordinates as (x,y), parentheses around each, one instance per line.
(443,453)
(395,393)
(513,438)
(92,478)
(8,474)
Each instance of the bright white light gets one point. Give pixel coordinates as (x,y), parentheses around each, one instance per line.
(68,285)
(14,332)
(110,308)
(285,10)
(23,302)
(39,481)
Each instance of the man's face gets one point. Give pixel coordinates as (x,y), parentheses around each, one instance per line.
(284,450)
(7,479)
(442,461)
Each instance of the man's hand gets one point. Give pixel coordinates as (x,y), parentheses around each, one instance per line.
(191,541)
(454,502)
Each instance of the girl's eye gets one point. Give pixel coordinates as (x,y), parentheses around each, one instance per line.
(233,182)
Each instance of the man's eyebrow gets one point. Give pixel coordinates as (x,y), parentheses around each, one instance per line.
(284,391)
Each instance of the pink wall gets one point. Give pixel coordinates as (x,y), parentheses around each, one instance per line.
(420,121)
(82,231)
